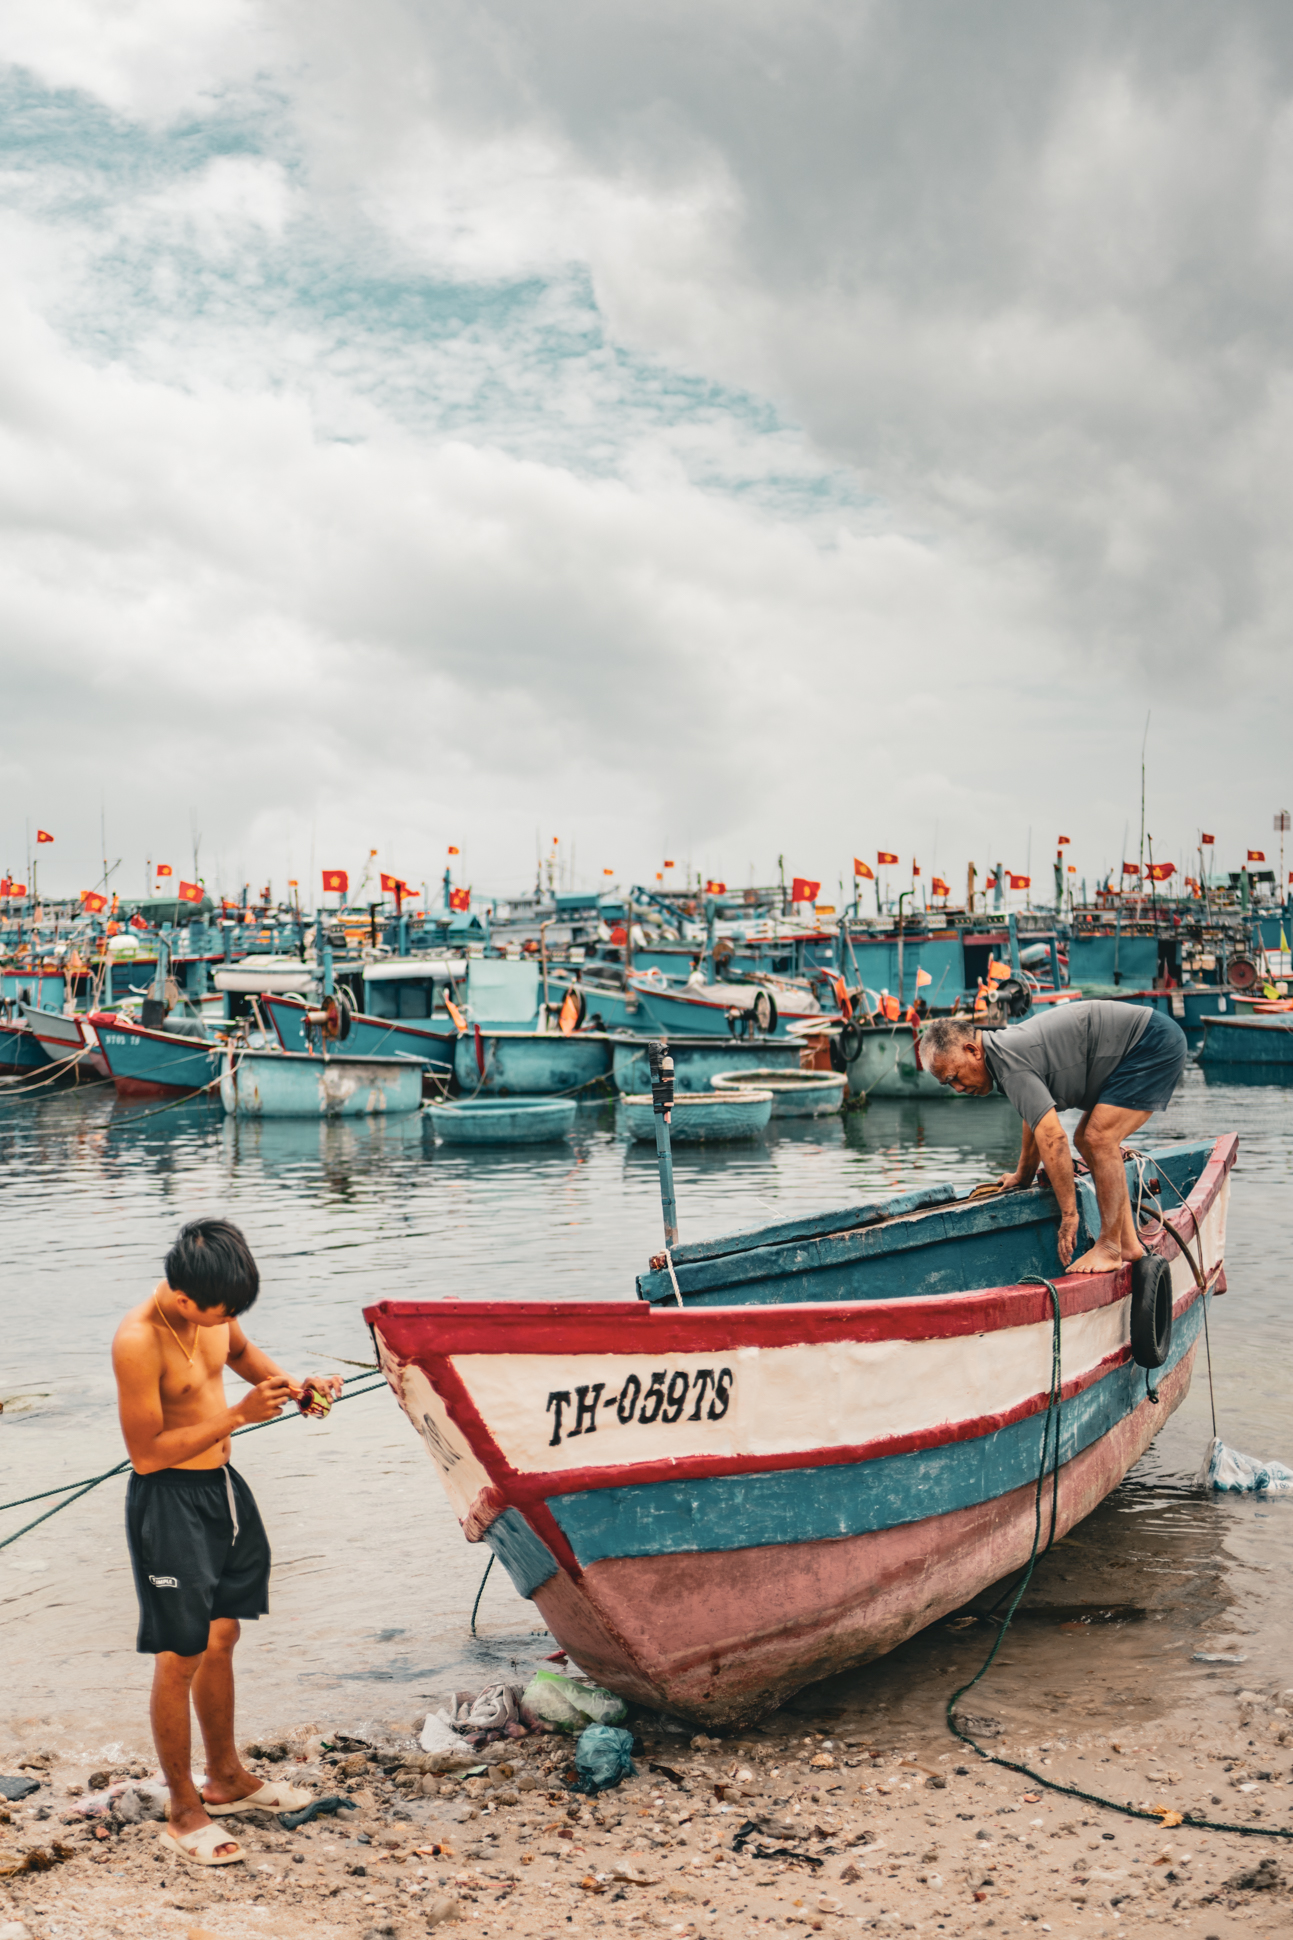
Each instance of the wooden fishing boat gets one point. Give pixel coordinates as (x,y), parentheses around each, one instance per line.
(795,1094)
(886,1063)
(698,1060)
(67,1039)
(832,1442)
(499,1121)
(155,1064)
(307,1084)
(368,1037)
(21,1051)
(1261,1040)
(739,1113)
(706,1008)
(507,1063)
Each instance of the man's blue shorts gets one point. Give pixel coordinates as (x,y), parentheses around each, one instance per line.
(1151,1070)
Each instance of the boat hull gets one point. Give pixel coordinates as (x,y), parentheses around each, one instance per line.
(67,1038)
(516,1121)
(697,1061)
(21,1050)
(700,1115)
(370,1037)
(294,1084)
(1247,1040)
(712,1508)
(886,1066)
(690,1012)
(154,1064)
(531,1063)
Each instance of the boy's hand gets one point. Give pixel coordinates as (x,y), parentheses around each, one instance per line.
(267,1399)
(316,1393)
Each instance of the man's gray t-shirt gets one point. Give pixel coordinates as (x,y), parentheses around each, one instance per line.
(1062,1057)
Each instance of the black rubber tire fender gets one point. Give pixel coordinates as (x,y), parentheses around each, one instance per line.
(850,1042)
(1151,1311)
(764,1012)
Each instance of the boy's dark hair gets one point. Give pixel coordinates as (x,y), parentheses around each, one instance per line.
(211,1262)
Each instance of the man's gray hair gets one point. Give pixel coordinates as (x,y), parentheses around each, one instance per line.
(943,1036)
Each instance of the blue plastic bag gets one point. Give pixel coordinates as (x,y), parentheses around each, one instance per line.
(603,1757)
(1231,1473)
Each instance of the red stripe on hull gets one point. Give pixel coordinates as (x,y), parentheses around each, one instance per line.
(723,1636)
(145,1088)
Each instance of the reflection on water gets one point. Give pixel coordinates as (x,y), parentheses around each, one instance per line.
(373,1582)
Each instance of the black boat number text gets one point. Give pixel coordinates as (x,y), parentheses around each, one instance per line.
(574,1412)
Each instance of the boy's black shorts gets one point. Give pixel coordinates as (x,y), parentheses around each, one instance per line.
(199,1551)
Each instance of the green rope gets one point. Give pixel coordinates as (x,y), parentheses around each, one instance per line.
(1010,1764)
(83,1488)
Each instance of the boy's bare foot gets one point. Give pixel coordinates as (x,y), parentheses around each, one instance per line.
(1100,1259)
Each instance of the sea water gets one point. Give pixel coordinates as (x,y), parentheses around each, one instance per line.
(373,1582)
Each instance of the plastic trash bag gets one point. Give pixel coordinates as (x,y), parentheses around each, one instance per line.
(439,1735)
(603,1757)
(569,1703)
(1225,1469)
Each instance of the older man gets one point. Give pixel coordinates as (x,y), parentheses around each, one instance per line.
(1117,1062)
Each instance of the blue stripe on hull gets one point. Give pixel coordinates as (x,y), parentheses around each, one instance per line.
(786,1506)
(184,1064)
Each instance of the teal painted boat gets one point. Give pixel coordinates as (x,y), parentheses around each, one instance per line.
(496,1121)
(698,1060)
(512,1063)
(1248,1040)
(303,1084)
(885,1064)
(701,1115)
(795,1094)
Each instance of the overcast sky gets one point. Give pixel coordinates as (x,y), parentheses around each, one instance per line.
(711,430)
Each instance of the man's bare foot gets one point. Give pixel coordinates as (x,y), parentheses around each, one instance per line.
(235,1785)
(1129,1257)
(1100,1259)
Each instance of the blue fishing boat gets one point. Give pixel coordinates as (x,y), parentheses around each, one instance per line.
(21,1051)
(697,1061)
(155,1064)
(368,1037)
(1206,1000)
(811,1440)
(882,1060)
(795,1094)
(711,1009)
(305,1084)
(499,1121)
(68,1040)
(701,1114)
(1247,1040)
(507,1063)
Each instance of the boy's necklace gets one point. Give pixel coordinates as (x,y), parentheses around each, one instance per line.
(174,1336)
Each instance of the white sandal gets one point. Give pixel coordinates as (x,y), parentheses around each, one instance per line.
(199,1847)
(275,1795)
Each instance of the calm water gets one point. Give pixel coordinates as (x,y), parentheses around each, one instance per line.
(373,1583)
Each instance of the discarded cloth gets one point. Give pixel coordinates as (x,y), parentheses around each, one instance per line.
(476,1717)
(603,1757)
(315,1810)
(569,1703)
(1226,1470)
(14,1789)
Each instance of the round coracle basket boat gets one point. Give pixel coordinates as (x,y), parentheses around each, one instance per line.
(741,1112)
(795,1094)
(497,1121)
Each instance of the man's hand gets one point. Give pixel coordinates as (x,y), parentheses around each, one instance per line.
(1067,1238)
(1009,1180)
(266,1400)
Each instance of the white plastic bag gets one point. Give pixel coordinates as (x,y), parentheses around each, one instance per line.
(1226,1470)
(439,1735)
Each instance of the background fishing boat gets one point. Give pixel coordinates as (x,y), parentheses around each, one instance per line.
(698,1060)
(835,1440)
(502,1121)
(1247,1040)
(772,1005)
(795,1094)
(303,1084)
(21,1051)
(511,1062)
(146,1063)
(67,1039)
(368,1037)
(883,1061)
(737,1113)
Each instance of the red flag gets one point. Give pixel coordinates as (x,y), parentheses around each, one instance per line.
(1207,840)
(460,899)
(938,886)
(1160,871)
(335,882)
(392,886)
(884,858)
(6,887)
(1019,882)
(189,892)
(164,869)
(804,891)
(861,868)
(670,865)
(43,835)
(716,889)
(91,900)
(138,922)
(1062,842)
(454,851)
(1131,868)
(915,867)
(1257,855)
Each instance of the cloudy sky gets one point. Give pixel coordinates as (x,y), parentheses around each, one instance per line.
(711,430)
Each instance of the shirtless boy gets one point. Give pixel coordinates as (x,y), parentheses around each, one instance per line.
(197,1544)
